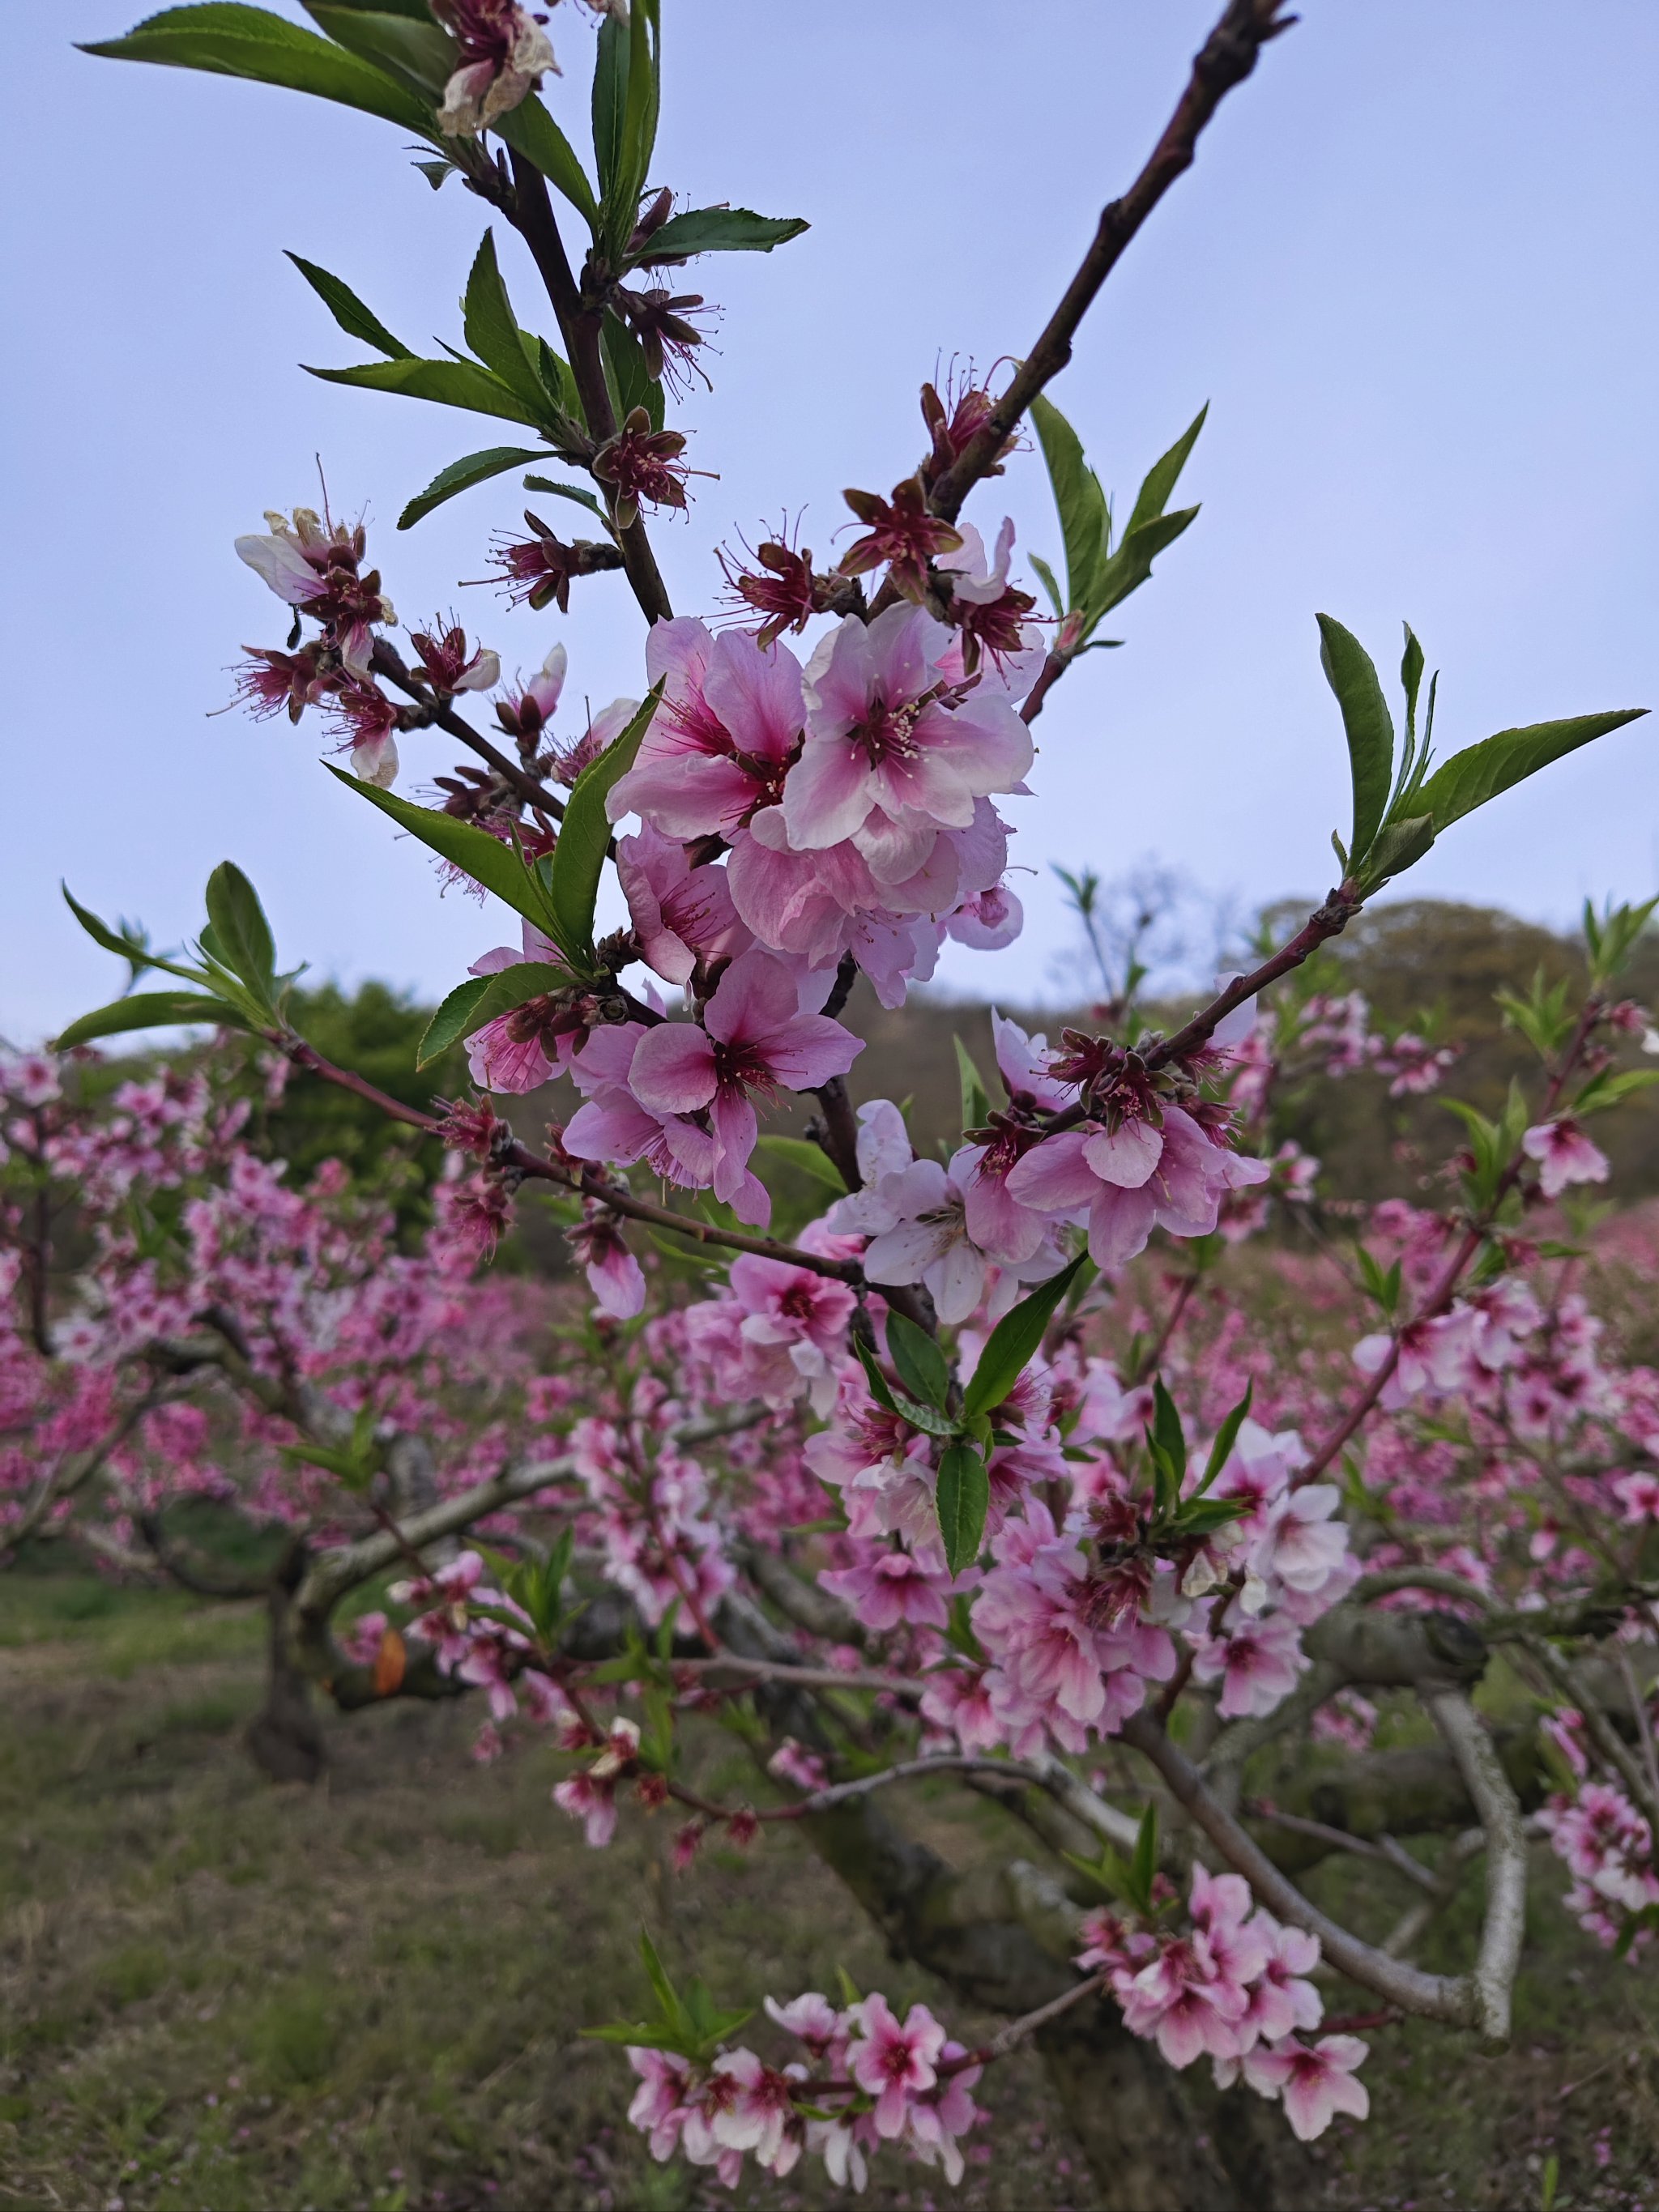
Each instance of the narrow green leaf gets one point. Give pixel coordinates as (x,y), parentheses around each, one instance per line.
(568,491)
(1014,1342)
(496,866)
(810,1159)
(1470,778)
(483,999)
(585,837)
(879,1388)
(975,1102)
(491,328)
(1396,848)
(922,1367)
(1167,1432)
(1129,568)
(151,1010)
(417,55)
(721,230)
(461,475)
(1143,1865)
(610,102)
(964,1493)
(1411,680)
(101,934)
(1226,1438)
(1050,583)
(1164,475)
(448,383)
(240,929)
(349,311)
(529,130)
(1085,516)
(631,382)
(231,41)
(673,2011)
(1352,675)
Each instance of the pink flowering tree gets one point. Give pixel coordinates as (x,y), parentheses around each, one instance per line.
(1004,1464)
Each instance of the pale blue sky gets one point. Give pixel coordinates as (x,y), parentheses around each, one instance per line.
(1413,273)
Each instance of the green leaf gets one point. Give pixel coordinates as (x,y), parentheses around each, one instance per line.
(483,999)
(610,102)
(231,41)
(721,230)
(1049,584)
(1470,778)
(1143,1863)
(1129,568)
(921,1365)
(491,328)
(569,491)
(448,383)
(1226,1438)
(1167,1432)
(461,475)
(1013,1342)
(1085,516)
(496,866)
(151,1010)
(879,1389)
(240,928)
(964,1493)
(100,933)
(1351,674)
(585,837)
(975,1102)
(673,2010)
(631,382)
(810,1159)
(1396,848)
(349,311)
(1200,1515)
(1163,476)
(416,54)
(529,130)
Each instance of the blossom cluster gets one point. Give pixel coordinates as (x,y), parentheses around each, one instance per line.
(1232,1984)
(865,2079)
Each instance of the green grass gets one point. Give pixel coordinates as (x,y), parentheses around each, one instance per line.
(221,1997)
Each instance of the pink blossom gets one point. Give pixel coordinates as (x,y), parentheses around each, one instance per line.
(1255,1661)
(755,1039)
(793,1327)
(1564,1155)
(1638,1494)
(892,2062)
(731,718)
(680,914)
(889,1588)
(1133,1179)
(614,1275)
(660,2102)
(523,1050)
(1315,2084)
(760,2115)
(887,762)
(612,1124)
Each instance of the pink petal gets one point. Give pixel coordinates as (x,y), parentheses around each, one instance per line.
(673,1068)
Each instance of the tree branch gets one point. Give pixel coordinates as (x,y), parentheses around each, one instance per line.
(1226,59)
(1430,1996)
(1492,1981)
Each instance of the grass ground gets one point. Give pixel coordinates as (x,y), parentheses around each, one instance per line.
(220,1997)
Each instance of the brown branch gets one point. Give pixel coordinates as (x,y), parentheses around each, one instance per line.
(581,320)
(1226,59)
(387,661)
